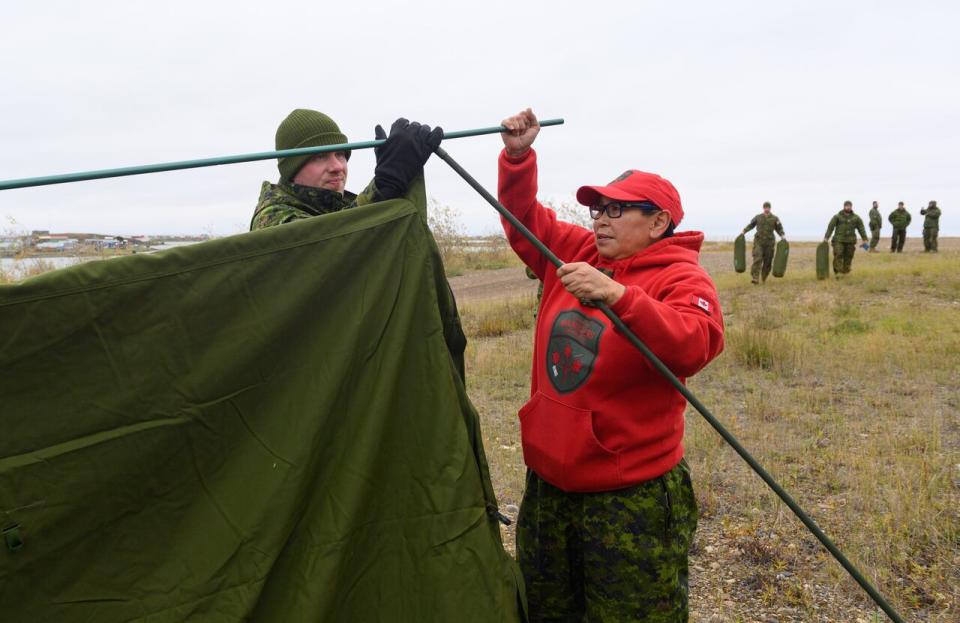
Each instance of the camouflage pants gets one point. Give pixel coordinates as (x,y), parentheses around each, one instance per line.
(610,556)
(843,256)
(930,238)
(762,260)
(897,240)
(874,238)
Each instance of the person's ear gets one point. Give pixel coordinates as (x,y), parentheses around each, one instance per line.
(660,223)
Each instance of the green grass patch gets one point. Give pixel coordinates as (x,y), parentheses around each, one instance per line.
(851,326)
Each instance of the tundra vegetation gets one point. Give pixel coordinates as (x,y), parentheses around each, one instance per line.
(847,391)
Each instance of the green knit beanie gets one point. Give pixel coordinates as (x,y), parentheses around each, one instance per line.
(305,128)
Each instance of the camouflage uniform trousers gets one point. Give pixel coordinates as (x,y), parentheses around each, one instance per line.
(897,240)
(843,256)
(874,238)
(608,556)
(930,239)
(762,260)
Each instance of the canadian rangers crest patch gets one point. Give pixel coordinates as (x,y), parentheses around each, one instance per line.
(573,347)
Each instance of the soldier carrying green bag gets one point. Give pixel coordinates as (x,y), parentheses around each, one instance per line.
(844,226)
(931,227)
(763,242)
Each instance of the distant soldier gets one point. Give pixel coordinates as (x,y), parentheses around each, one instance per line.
(844,226)
(899,218)
(763,242)
(931,227)
(876,222)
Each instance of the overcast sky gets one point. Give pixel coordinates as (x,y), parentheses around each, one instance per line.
(804,104)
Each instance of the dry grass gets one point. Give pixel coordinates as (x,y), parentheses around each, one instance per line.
(484,257)
(28,268)
(848,392)
(484,319)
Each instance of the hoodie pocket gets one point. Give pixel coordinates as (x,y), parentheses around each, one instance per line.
(560,445)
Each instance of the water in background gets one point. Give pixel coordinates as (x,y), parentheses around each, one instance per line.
(17,268)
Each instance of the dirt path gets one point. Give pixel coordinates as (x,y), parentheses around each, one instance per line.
(483,285)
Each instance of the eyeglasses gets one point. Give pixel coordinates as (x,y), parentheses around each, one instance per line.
(614,209)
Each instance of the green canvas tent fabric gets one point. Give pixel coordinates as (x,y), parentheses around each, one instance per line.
(267,427)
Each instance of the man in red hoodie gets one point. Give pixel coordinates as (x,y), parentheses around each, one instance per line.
(608,513)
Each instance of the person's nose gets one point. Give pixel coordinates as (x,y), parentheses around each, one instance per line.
(338,164)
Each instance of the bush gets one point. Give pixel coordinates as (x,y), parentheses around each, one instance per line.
(444,223)
(571,213)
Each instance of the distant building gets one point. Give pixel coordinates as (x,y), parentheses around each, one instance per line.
(56,242)
(104,243)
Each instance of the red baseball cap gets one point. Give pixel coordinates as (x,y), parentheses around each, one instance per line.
(636,185)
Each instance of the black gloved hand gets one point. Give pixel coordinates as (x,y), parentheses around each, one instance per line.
(400,160)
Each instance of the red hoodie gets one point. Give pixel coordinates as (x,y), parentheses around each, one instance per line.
(600,417)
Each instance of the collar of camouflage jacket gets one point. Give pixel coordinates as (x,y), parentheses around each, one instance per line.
(314,201)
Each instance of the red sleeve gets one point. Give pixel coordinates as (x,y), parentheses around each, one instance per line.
(517,191)
(683,326)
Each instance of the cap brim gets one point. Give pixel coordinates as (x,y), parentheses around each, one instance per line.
(590,195)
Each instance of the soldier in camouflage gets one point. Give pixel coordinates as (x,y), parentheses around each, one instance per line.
(844,226)
(312,185)
(899,219)
(931,227)
(876,223)
(763,242)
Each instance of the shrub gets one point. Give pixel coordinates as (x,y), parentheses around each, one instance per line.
(443,221)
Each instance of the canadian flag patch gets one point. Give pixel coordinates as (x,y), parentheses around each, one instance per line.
(700,302)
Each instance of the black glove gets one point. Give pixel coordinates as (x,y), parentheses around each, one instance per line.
(400,160)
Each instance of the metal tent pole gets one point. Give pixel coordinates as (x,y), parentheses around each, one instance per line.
(210,162)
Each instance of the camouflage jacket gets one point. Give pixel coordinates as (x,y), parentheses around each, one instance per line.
(876,219)
(899,218)
(766,225)
(846,224)
(932,220)
(287,202)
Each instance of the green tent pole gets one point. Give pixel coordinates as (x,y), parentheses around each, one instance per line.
(680,387)
(209,162)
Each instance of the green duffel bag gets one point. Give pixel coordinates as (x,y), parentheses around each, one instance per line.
(823,260)
(780,255)
(740,254)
